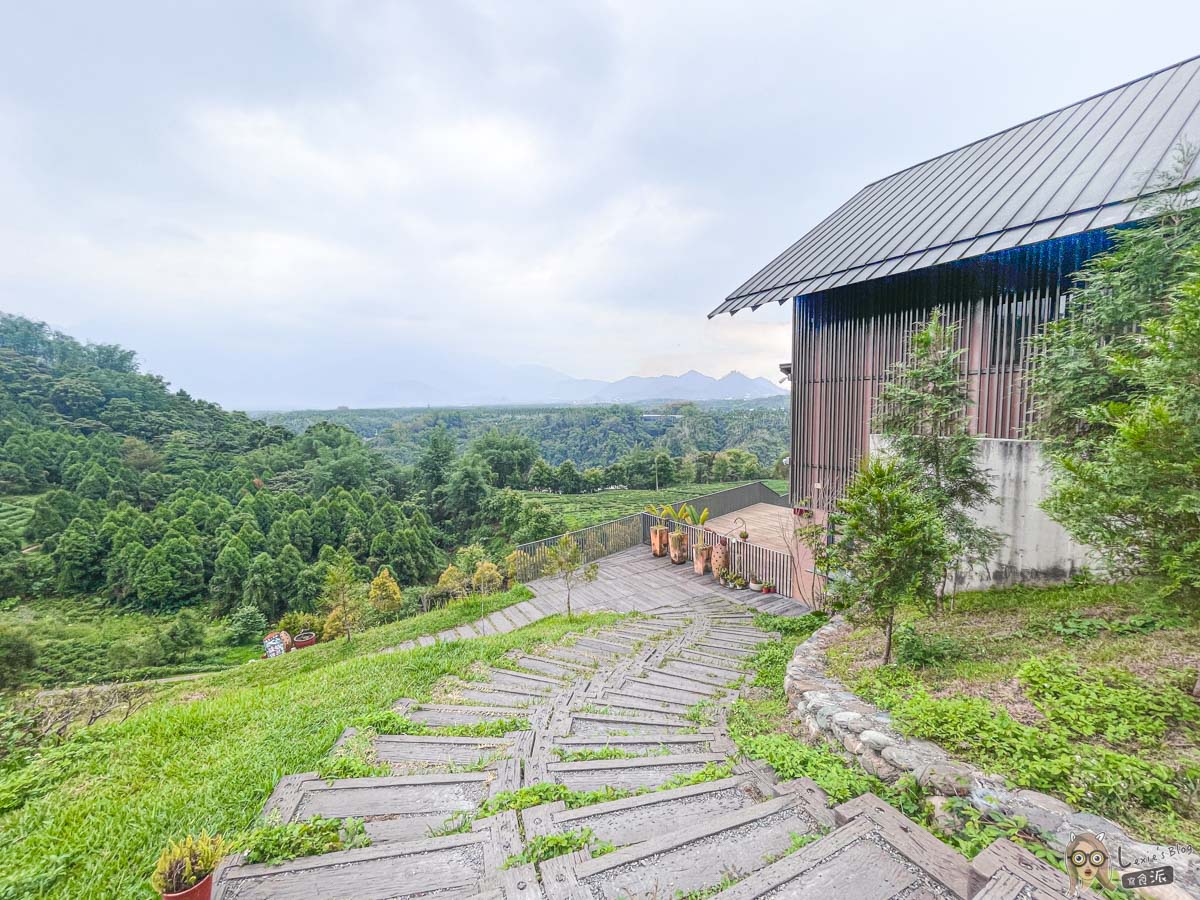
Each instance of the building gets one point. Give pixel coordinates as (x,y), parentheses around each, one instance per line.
(989,233)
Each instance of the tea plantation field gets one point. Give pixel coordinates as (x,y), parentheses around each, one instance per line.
(582,510)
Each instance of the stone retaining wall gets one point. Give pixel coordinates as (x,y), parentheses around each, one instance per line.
(864,734)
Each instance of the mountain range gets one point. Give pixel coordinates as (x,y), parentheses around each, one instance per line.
(530,384)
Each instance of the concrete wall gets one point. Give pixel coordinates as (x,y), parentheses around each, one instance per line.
(1036,548)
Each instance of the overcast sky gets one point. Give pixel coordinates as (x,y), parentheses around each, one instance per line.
(280,204)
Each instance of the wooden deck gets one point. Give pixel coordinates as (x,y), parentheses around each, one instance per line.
(767,524)
(634,580)
(770,526)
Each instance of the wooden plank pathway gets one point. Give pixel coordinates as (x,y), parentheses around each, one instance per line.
(611,709)
(629,581)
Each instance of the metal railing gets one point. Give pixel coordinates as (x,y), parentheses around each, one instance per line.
(745,558)
(594,542)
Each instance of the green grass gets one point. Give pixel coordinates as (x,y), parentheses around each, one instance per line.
(582,510)
(1081,691)
(74,638)
(88,818)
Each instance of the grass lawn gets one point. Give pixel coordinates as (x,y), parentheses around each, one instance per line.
(582,510)
(1079,691)
(89,817)
(74,638)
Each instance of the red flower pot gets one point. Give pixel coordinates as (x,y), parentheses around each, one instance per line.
(201,890)
(304,639)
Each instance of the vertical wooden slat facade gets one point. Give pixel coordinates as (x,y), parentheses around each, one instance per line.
(846,340)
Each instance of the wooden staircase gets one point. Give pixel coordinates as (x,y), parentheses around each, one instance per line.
(628,689)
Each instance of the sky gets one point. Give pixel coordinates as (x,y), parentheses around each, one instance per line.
(306,204)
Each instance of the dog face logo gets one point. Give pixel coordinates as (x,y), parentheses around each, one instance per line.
(1087,861)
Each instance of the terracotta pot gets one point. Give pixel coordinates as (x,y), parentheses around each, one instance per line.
(700,559)
(304,639)
(678,543)
(201,890)
(658,539)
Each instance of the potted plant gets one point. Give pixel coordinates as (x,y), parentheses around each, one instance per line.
(184,870)
(744,535)
(740,582)
(678,543)
(755,584)
(659,532)
(768,587)
(304,639)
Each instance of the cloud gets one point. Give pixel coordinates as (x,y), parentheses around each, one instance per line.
(319,199)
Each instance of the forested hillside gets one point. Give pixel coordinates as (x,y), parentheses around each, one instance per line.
(117,489)
(589,436)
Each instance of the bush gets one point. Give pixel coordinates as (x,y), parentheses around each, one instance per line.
(247,623)
(923,650)
(17,656)
(294,622)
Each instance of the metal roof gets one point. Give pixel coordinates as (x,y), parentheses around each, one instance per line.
(1080,168)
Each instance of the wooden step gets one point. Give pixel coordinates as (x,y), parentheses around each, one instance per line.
(406,807)
(556,667)
(455,866)
(577,655)
(486,695)
(635,819)
(618,700)
(641,745)
(599,724)
(692,858)
(706,673)
(524,681)
(720,648)
(435,714)
(655,689)
(628,774)
(682,682)
(688,654)
(400,750)
(878,853)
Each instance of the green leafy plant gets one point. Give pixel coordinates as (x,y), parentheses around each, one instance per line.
(276,842)
(1106,702)
(188,862)
(547,846)
(710,772)
(923,650)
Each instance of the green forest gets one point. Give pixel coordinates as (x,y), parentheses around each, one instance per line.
(180,530)
(588,436)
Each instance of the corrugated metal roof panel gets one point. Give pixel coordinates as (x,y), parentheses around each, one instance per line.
(1075,169)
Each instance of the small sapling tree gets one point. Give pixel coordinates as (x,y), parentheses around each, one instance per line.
(344,600)
(892,547)
(922,410)
(565,561)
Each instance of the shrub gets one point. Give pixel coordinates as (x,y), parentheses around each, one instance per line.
(247,624)
(923,650)
(17,656)
(294,622)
